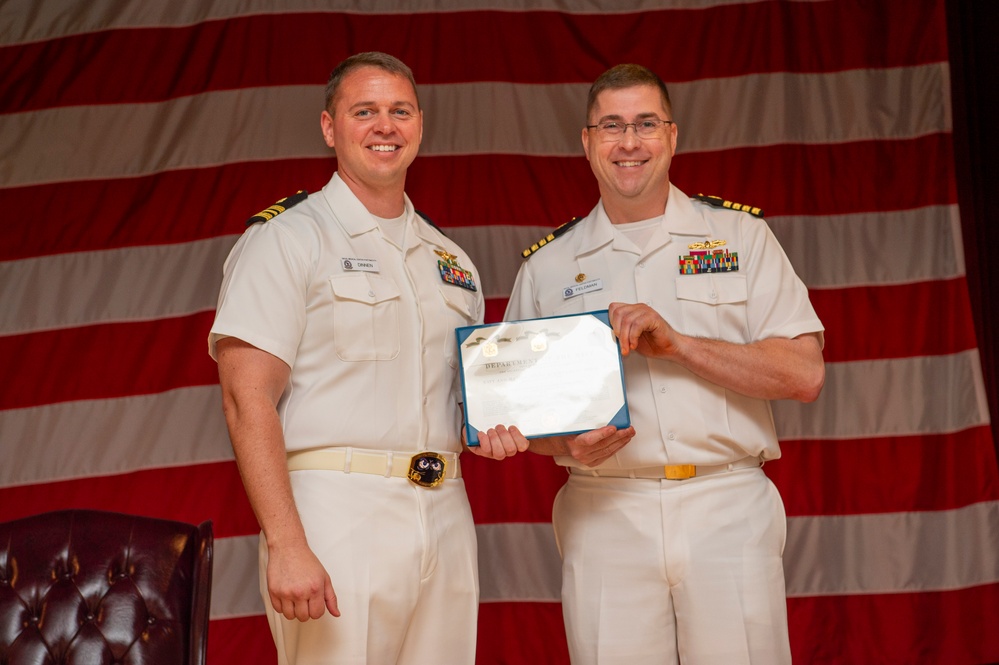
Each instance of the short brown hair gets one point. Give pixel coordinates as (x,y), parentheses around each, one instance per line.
(384,61)
(627,76)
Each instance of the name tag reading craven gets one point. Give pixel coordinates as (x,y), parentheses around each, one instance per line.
(548,376)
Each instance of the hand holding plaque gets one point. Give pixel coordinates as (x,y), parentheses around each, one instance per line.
(549,376)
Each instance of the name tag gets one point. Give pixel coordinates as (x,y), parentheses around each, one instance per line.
(365,265)
(584,287)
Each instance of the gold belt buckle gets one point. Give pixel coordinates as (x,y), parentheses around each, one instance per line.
(427,469)
(680,471)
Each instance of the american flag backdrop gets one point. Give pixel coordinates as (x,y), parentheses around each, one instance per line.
(137,136)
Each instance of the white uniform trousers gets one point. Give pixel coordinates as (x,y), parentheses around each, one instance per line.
(403,563)
(664,571)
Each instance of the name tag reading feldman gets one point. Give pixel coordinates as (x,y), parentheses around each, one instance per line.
(549,376)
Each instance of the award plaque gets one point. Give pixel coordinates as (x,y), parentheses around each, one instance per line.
(549,376)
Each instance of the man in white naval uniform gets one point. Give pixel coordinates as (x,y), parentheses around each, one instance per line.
(335,343)
(670,533)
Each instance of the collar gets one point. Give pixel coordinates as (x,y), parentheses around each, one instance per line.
(424,230)
(681,219)
(350,213)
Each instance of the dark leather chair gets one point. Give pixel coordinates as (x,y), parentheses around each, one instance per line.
(93,587)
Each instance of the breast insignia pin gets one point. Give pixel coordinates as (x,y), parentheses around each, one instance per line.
(452,273)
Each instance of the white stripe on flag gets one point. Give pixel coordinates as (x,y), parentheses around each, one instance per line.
(154,282)
(35,20)
(889,397)
(901,553)
(185,426)
(109,286)
(176,428)
(223,127)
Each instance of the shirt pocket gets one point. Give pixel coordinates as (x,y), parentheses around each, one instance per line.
(713,306)
(365,317)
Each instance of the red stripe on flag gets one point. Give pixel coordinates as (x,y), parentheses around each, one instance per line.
(524,190)
(114,360)
(886,474)
(107,360)
(936,316)
(495,309)
(165,208)
(241,641)
(926,627)
(837,484)
(520,190)
(191,493)
(902,628)
(747,175)
(863,323)
(830,36)
(521,634)
(509,633)
(530,482)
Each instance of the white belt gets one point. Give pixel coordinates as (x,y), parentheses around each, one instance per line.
(671,471)
(388,463)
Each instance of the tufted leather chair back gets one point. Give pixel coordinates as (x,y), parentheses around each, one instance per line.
(95,588)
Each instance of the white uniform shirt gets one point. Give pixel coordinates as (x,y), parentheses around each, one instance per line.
(679,418)
(366,327)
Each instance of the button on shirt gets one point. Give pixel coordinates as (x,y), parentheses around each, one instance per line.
(373,353)
(679,418)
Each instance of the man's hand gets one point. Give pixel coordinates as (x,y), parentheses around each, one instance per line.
(595,447)
(770,368)
(640,328)
(500,442)
(298,585)
(591,448)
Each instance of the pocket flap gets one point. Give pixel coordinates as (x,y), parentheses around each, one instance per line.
(364,288)
(712,289)
(460,300)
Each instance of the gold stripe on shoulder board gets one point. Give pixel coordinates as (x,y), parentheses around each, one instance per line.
(719,202)
(550,237)
(279,207)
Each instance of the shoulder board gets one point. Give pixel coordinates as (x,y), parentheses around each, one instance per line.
(430,222)
(551,236)
(719,202)
(279,207)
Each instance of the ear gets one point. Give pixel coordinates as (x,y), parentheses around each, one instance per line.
(326,123)
(585,138)
(673,133)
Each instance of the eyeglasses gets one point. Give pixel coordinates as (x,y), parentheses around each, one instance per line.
(614,130)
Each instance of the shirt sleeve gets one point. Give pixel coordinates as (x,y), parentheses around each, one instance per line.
(523,304)
(779,305)
(262,300)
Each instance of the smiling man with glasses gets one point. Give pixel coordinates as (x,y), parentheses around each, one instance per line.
(670,533)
